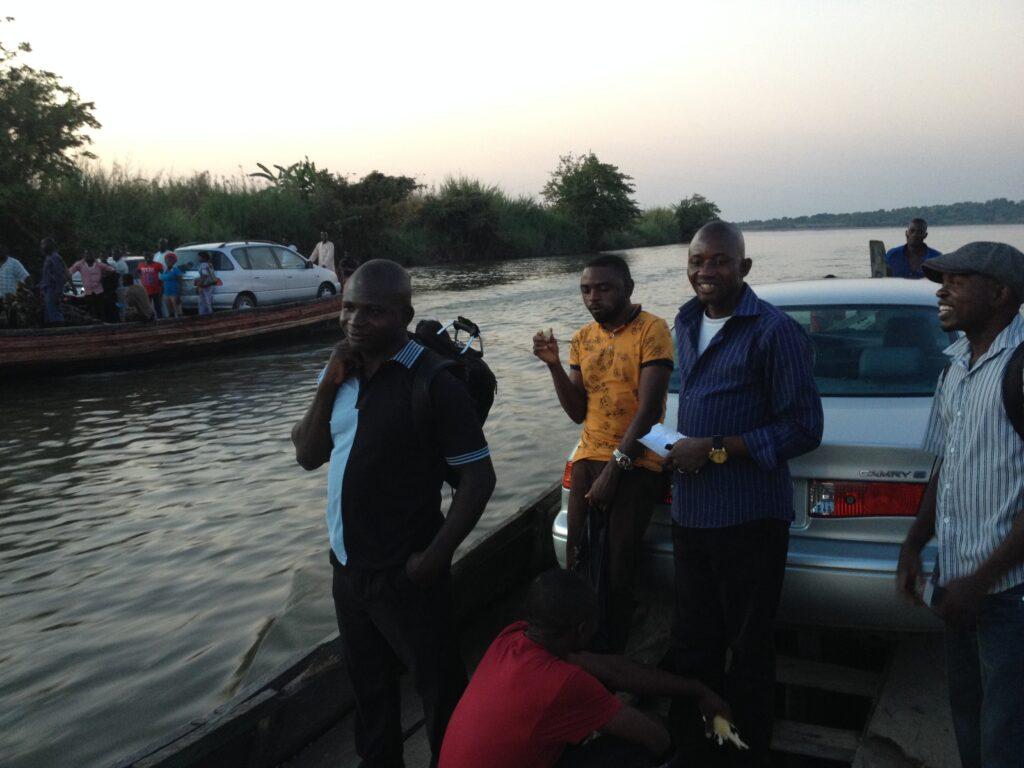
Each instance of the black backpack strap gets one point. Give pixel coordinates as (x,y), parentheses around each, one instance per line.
(1013,390)
(429,364)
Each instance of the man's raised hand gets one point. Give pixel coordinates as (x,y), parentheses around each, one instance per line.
(340,364)
(545,347)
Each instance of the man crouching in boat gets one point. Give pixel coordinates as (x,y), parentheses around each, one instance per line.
(537,694)
(390,546)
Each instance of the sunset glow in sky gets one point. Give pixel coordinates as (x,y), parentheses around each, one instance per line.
(772,108)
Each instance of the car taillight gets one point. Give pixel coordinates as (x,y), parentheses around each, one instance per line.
(567,476)
(841,498)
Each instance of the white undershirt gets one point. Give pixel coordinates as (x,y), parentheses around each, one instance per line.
(709,328)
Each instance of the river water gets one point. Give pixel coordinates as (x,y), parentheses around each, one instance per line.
(159,545)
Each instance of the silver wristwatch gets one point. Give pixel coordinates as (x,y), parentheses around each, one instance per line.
(625,463)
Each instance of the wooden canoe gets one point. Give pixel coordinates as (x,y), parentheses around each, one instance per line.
(112,345)
(299,716)
(271,720)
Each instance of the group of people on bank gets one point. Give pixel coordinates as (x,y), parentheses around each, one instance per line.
(748,403)
(112,291)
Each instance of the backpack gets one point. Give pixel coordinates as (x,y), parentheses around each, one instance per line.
(1013,389)
(442,352)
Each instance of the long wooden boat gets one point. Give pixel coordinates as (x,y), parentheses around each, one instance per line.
(300,716)
(112,345)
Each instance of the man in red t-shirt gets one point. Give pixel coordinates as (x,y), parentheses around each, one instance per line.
(148,275)
(535,693)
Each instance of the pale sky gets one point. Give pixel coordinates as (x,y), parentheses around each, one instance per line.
(768,108)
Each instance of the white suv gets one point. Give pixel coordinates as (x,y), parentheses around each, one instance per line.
(254,273)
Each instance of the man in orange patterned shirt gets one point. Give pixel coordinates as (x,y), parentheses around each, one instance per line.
(619,367)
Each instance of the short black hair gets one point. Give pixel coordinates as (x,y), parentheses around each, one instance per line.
(559,601)
(611,261)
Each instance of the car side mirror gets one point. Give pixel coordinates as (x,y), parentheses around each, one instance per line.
(309,264)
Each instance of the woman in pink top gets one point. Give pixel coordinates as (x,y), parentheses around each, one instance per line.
(92,281)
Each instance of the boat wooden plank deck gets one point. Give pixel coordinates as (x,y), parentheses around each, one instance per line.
(302,715)
(911,724)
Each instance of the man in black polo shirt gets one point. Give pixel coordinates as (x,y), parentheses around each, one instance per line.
(391,548)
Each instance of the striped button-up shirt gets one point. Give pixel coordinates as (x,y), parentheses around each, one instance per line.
(12,272)
(754,380)
(981,483)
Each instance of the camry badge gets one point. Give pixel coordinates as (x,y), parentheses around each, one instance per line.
(888,474)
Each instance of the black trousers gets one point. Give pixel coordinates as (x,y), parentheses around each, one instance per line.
(387,622)
(626,520)
(606,752)
(728,583)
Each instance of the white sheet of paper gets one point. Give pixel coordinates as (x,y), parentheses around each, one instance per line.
(659,438)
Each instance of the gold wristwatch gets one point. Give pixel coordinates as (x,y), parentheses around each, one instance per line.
(718,454)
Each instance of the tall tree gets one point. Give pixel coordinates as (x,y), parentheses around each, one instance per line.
(596,196)
(42,135)
(43,121)
(692,213)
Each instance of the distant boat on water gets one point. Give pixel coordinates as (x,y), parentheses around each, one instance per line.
(108,346)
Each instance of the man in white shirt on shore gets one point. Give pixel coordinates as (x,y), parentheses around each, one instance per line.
(323,253)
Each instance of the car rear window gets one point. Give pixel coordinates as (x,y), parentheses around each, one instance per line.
(874,350)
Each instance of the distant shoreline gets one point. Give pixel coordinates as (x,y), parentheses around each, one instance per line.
(747,227)
(962,214)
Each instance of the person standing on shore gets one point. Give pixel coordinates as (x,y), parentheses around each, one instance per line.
(160,255)
(171,280)
(51,284)
(748,403)
(906,260)
(12,272)
(390,547)
(974,503)
(121,268)
(619,367)
(204,284)
(148,275)
(323,253)
(92,271)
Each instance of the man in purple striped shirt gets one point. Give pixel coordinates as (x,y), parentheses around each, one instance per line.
(747,403)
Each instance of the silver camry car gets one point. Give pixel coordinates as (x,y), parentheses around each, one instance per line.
(877,356)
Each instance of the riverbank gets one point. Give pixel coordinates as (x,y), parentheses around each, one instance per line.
(377,216)
(990,213)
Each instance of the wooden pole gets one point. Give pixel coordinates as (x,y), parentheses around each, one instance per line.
(877,250)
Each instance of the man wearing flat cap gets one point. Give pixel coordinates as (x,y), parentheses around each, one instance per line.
(974,504)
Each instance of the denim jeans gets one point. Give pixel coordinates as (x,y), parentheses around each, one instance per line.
(985,666)
(52,311)
(205,300)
